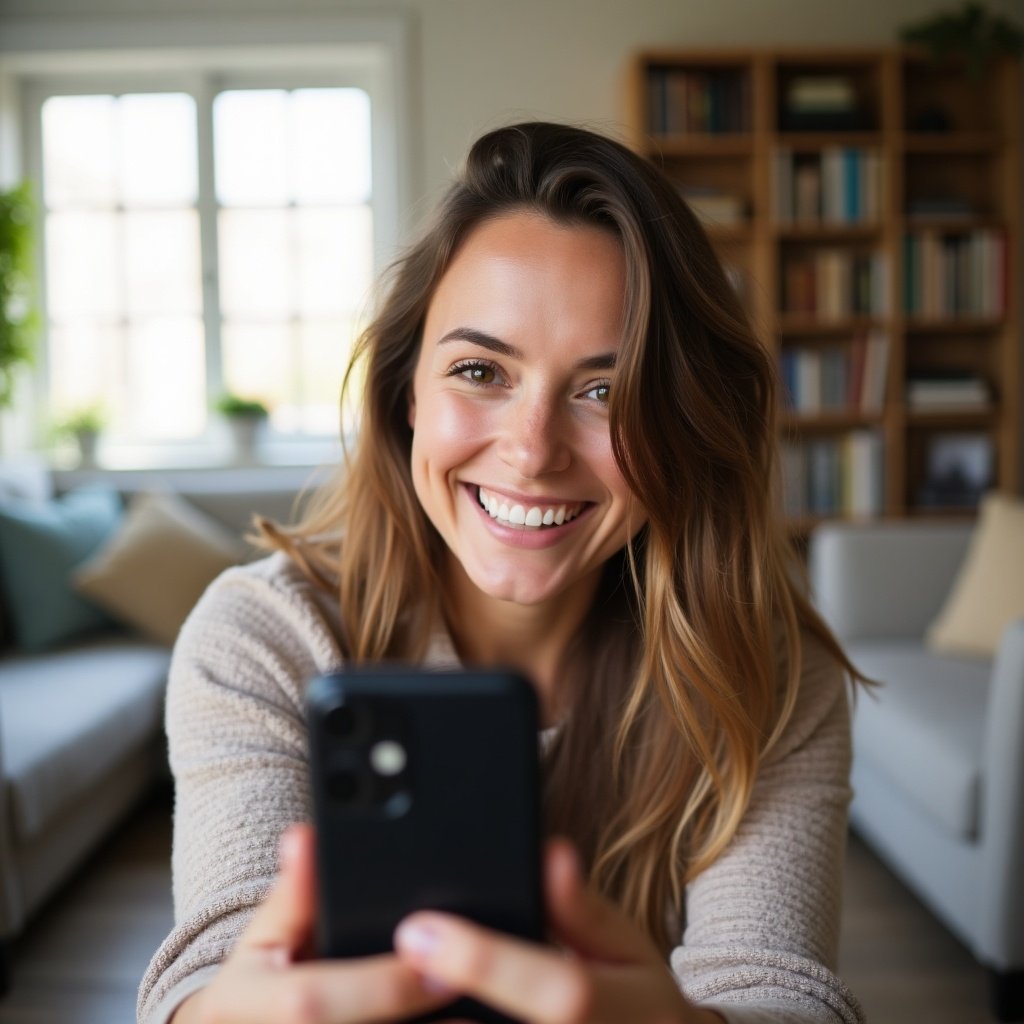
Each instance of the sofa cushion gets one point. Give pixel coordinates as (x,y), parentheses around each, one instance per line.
(40,544)
(924,728)
(154,569)
(68,717)
(989,590)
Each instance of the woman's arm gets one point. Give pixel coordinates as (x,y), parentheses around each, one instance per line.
(762,923)
(238,753)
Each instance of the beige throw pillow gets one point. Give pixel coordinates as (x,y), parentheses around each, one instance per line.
(155,568)
(989,590)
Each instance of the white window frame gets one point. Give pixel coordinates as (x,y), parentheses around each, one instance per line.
(201,57)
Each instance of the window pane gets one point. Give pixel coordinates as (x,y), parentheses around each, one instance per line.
(161,254)
(82,262)
(250,147)
(167,379)
(78,147)
(157,134)
(331,145)
(325,348)
(258,361)
(254,263)
(334,259)
(85,360)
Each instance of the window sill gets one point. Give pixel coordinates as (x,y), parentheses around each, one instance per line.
(278,468)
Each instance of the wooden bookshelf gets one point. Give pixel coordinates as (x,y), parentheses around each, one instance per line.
(863,199)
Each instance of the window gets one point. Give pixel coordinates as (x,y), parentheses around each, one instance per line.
(218,236)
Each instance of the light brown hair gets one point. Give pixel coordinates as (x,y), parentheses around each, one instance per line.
(688,666)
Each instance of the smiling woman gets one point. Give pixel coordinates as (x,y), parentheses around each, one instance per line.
(564,466)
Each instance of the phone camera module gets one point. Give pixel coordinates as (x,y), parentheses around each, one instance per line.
(343,786)
(340,721)
(388,757)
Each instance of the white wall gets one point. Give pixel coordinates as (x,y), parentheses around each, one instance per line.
(476,64)
(484,62)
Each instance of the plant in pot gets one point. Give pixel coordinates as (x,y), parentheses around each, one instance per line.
(246,419)
(84,425)
(18,315)
(970,32)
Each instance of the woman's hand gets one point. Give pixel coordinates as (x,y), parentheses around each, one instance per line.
(265,979)
(609,973)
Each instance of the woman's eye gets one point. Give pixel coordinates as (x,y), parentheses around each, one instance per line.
(599,392)
(475,373)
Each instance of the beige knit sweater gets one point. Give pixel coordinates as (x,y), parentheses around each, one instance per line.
(761,923)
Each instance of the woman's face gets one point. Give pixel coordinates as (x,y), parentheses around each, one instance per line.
(511,455)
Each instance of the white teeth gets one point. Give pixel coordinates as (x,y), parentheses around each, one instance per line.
(518,515)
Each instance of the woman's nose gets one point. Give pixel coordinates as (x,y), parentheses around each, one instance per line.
(535,438)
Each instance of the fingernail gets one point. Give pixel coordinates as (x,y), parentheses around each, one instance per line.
(422,940)
(277,957)
(286,847)
(436,987)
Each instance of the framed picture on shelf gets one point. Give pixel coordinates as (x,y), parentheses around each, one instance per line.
(959,470)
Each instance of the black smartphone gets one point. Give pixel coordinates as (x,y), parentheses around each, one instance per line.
(425,796)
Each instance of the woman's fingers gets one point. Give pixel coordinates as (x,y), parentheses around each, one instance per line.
(585,921)
(284,920)
(611,971)
(535,983)
(328,992)
(520,978)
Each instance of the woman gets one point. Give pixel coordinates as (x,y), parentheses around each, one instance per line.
(564,465)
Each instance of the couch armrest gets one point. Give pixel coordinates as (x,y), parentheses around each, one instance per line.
(1002,810)
(885,579)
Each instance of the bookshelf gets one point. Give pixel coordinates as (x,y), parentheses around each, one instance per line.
(866,202)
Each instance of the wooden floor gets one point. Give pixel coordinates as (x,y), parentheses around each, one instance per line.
(81,961)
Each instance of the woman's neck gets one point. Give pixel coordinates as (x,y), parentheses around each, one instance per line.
(533,639)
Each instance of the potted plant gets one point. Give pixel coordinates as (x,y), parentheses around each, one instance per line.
(84,425)
(18,316)
(246,418)
(970,32)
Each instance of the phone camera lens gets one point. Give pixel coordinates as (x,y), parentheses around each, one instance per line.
(340,722)
(343,786)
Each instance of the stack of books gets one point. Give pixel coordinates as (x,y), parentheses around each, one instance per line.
(834,476)
(949,274)
(821,103)
(965,392)
(685,101)
(715,208)
(838,378)
(833,283)
(837,186)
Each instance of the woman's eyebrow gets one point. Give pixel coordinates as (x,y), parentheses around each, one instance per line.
(605,361)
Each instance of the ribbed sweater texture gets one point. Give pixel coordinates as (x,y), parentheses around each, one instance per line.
(761,934)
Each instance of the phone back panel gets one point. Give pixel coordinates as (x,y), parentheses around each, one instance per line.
(457,828)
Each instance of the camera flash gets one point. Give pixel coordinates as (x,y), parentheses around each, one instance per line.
(387,757)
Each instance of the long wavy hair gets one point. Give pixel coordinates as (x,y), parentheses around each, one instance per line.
(688,665)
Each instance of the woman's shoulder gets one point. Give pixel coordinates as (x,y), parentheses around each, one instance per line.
(821,691)
(267,610)
(273,582)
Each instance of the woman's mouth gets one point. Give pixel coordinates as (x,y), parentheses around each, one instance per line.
(530,517)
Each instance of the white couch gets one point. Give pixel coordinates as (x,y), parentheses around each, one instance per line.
(81,726)
(938,770)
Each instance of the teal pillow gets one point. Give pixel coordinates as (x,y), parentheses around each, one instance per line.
(41,543)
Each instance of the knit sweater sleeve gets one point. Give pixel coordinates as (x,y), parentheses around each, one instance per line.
(237,746)
(762,923)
